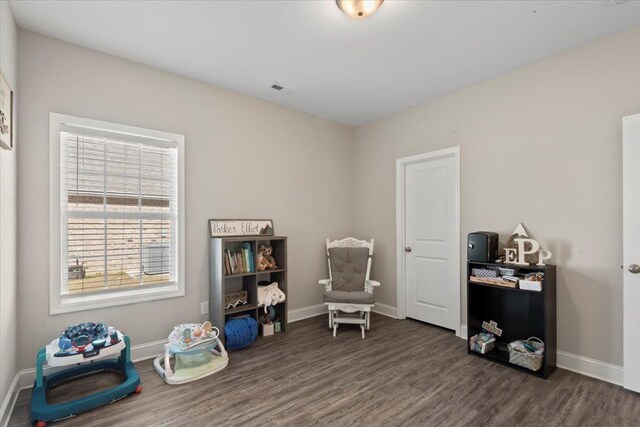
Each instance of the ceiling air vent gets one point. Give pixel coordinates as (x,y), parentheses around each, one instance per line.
(277,86)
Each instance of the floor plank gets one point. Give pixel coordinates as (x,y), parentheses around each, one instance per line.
(404,373)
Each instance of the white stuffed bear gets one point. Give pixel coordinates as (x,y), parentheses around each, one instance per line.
(270,295)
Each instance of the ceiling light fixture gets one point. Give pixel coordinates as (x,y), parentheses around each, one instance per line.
(358,9)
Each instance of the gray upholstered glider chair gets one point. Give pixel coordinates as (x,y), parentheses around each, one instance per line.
(348,288)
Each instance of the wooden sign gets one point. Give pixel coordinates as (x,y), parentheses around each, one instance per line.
(523,250)
(240,227)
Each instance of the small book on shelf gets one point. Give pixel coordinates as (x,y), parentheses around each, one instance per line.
(239,260)
(247,257)
(233,262)
(227,265)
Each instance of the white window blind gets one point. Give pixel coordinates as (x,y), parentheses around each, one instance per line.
(118,211)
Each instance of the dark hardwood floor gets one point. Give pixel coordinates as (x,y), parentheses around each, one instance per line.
(403,373)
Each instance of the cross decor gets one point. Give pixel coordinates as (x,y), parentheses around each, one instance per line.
(492,327)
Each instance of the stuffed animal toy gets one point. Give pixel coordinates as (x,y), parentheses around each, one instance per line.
(265,259)
(270,295)
(262,262)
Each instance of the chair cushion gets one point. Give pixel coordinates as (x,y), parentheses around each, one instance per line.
(357,297)
(348,268)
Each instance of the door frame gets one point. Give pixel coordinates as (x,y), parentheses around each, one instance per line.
(630,203)
(401,165)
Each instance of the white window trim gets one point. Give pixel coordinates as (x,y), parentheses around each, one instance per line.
(65,304)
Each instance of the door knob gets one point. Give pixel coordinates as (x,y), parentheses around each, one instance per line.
(408,249)
(634,268)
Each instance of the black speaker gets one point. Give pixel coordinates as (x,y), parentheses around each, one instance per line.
(482,246)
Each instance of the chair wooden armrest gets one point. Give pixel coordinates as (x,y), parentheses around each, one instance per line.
(326,283)
(370,284)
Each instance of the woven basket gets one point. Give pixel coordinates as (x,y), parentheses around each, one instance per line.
(530,361)
(234,298)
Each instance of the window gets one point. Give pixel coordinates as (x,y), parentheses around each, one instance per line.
(116,214)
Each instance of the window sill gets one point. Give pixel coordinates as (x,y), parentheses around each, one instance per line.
(72,303)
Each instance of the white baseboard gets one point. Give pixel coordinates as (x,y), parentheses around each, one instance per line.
(9,402)
(590,367)
(147,350)
(320,309)
(307,312)
(385,310)
(581,365)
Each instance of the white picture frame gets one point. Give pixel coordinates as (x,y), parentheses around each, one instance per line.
(7,125)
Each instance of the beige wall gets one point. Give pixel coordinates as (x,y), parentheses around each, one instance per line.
(244,158)
(541,145)
(8,206)
(560,118)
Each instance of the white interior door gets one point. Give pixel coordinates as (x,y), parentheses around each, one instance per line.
(631,242)
(431,252)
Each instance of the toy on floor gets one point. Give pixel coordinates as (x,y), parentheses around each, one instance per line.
(80,348)
(193,346)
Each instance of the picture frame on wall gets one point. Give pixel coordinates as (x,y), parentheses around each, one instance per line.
(6,114)
(240,227)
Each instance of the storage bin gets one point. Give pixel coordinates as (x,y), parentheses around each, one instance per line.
(530,285)
(235,299)
(531,361)
(480,346)
(505,271)
(483,272)
(267,329)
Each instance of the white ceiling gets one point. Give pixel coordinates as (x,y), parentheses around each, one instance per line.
(348,71)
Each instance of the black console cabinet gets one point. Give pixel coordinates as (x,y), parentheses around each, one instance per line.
(519,313)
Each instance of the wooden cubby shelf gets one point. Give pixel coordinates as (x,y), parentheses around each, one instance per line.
(254,273)
(519,313)
(504,288)
(240,309)
(221,284)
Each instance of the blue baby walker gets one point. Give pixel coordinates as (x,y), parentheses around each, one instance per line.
(85,348)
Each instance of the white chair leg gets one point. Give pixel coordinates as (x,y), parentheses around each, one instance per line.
(335,326)
(330,319)
(362,330)
(368,320)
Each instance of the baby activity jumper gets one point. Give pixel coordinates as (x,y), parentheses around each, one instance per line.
(194,347)
(82,349)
